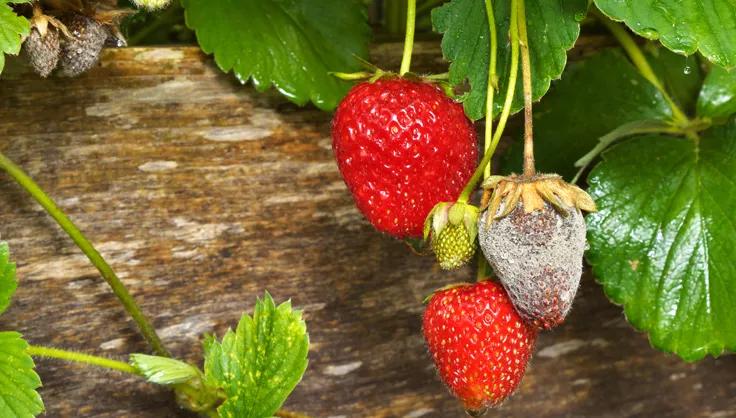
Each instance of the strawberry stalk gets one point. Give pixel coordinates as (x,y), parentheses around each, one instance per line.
(75,357)
(411,16)
(505,112)
(482,272)
(107,273)
(483,268)
(492,81)
(526,76)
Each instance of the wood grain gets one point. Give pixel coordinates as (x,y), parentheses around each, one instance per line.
(202,194)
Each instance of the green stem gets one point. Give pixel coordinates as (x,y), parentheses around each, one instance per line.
(481,274)
(440,76)
(361,75)
(165,19)
(75,357)
(411,16)
(118,288)
(393,18)
(641,63)
(106,363)
(526,75)
(505,112)
(491,83)
(623,131)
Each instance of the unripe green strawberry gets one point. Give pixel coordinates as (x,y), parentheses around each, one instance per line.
(533,235)
(151,4)
(452,228)
(42,50)
(82,50)
(453,247)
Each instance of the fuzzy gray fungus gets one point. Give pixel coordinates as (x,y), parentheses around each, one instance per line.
(82,51)
(538,257)
(42,52)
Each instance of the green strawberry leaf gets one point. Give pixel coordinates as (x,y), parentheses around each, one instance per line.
(594,98)
(684,26)
(12,30)
(292,45)
(8,283)
(18,380)
(718,96)
(553,29)
(662,241)
(259,364)
(162,370)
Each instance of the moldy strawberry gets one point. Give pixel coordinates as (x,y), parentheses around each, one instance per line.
(42,47)
(82,51)
(533,235)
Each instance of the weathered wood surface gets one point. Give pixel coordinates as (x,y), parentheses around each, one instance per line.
(203,194)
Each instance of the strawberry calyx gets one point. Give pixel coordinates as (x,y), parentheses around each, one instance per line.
(452,229)
(445,288)
(503,194)
(40,22)
(374,74)
(475,413)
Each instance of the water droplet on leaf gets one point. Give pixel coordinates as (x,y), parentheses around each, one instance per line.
(649,33)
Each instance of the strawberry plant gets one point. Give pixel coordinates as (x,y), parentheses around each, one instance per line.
(628,154)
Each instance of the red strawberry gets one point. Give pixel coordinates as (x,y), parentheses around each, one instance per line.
(402,146)
(479,343)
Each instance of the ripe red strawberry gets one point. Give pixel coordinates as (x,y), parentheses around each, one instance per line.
(479,343)
(402,146)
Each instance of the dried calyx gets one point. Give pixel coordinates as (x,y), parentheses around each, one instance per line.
(70,36)
(533,193)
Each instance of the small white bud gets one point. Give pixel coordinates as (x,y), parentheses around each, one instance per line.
(151,4)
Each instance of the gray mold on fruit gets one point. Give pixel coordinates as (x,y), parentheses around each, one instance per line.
(82,51)
(42,51)
(538,257)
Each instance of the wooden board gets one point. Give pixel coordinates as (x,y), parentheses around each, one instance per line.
(203,194)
